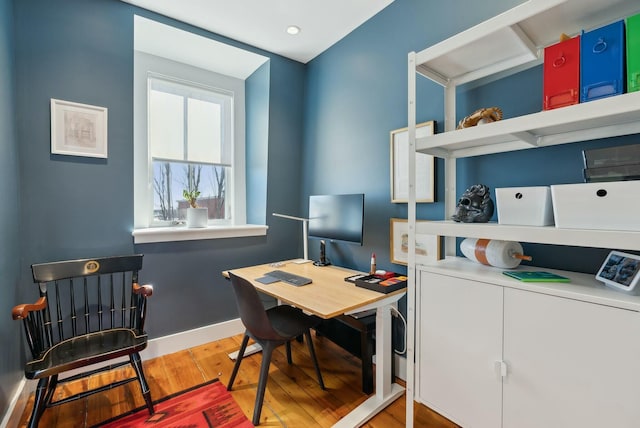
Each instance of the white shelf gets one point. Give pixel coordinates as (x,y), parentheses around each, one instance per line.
(515,37)
(618,239)
(607,117)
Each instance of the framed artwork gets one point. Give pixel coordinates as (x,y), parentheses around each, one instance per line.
(399,141)
(78,129)
(427,246)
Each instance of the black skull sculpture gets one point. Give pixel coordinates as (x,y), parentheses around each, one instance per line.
(475,205)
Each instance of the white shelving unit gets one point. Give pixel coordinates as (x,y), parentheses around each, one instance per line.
(507,43)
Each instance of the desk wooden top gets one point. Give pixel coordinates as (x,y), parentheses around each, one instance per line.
(328,296)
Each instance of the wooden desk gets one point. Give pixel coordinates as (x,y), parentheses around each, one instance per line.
(329,296)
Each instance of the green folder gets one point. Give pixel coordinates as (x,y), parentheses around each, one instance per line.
(536,276)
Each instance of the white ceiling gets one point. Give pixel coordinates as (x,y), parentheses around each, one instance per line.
(263,23)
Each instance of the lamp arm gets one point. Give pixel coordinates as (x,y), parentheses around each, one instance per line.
(305,231)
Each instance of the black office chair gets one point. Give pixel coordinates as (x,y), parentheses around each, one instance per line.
(89,311)
(269,328)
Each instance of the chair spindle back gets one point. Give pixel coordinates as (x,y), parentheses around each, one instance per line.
(85,296)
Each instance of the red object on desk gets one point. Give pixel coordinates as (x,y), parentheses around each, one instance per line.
(385,275)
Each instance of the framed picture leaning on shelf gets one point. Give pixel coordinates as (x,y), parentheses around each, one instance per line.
(399,144)
(427,246)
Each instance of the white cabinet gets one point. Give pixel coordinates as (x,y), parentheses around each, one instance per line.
(494,352)
(461,343)
(570,363)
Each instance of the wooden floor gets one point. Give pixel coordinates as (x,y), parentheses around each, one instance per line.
(293,397)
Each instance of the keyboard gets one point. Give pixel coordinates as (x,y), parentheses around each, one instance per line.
(289,278)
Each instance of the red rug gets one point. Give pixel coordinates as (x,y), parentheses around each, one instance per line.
(206,405)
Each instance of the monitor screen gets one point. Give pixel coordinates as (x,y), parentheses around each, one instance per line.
(337,217)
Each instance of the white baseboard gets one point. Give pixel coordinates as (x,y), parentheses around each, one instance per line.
(18,402)
(188,339)
(155,348)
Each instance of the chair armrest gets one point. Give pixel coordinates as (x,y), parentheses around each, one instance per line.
(146,290)
(21,312)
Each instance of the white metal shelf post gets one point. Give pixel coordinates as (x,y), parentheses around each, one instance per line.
(411,223)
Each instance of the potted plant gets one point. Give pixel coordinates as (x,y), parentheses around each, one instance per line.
(196,216)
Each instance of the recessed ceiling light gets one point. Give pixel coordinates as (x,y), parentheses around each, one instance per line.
(293,29)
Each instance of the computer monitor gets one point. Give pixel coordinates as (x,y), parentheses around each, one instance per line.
(336,218)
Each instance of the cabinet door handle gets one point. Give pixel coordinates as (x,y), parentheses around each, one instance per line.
(501,368)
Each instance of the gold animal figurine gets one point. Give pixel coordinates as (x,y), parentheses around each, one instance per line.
(483,115)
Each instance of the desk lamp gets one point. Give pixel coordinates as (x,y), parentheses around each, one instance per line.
(305,233)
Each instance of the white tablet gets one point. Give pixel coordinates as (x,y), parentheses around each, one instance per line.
(620,270)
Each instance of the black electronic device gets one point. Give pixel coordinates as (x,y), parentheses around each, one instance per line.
(289,278)
(338,218)
(323,255)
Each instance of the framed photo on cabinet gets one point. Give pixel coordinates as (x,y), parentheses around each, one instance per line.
(78,129)
(427,246)
(399,142)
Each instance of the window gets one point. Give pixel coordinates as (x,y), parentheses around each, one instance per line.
(190,142)
(189,132)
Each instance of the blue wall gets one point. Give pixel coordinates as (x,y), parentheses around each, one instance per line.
(10,361)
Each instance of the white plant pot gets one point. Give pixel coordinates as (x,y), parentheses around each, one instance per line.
(197,217)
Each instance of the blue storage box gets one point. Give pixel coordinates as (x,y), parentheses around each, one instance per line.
(602,66)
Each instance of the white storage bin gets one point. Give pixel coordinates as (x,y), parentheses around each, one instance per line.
(610,205)
(526,206)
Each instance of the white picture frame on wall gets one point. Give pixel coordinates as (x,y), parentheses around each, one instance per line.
(399,142)
(78,129)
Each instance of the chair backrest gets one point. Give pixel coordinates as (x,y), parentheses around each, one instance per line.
(252,312)
(85,296)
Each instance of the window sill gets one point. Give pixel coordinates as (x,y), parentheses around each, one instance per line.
(182,233)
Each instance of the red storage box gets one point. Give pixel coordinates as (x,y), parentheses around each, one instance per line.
(561,74)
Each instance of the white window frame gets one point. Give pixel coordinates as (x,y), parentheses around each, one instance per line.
(226,99)
(204,57)
(143,174)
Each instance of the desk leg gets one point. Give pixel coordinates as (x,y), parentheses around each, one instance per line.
(386,390)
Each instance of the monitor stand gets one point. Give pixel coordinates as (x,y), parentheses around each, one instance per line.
(323,256)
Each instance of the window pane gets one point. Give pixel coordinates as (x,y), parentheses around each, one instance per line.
(171,178)
(166,125)
(186,125)
(204,131)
